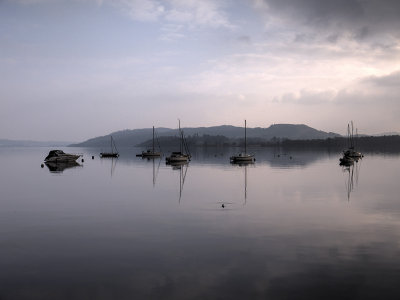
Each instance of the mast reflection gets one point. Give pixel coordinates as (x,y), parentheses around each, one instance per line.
(113,164)
(153,160)
(244,165)
(353,170)
(182,167)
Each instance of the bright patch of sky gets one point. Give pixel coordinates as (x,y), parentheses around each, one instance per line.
(72,70)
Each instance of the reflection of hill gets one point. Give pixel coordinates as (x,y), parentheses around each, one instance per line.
(296,158)
(273,157)
(287,157)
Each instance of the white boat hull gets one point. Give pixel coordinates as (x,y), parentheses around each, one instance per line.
(182,158)
(151,154)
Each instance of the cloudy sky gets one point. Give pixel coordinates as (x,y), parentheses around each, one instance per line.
(75,69)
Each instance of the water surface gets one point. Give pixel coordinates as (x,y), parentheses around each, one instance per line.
(294,226)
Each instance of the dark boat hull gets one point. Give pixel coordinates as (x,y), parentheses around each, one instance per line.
(242,158)
(109,154)
(149,154)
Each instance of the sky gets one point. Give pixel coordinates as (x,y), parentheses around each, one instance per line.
(71,70)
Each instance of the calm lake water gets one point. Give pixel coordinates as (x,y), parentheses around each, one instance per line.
(294,226)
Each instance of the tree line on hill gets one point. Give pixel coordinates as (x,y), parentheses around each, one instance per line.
(365,143)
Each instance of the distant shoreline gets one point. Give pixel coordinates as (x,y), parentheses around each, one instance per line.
(364,144)
(337,142)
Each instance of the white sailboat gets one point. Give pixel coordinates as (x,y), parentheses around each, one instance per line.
(151,152)
(180,156)
(243,157)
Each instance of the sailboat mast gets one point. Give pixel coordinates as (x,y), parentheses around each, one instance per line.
(245,137)
(181,138)
(348,136)
(245,184)
(153,139)
(154,177)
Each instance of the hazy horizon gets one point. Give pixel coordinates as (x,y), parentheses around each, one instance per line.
(74,70)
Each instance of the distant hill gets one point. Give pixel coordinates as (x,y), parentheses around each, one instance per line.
(130,138)
(26,143)
(387,133)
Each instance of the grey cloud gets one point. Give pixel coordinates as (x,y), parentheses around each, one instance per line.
(245,39)
(318,12)
(360,19)
(391,80)
(333,38)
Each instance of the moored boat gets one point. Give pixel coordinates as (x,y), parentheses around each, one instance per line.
(351,152)
(59,156)
(346,161)
(150,152)
(180,156)
(177,157)
(243,157)
(114,151)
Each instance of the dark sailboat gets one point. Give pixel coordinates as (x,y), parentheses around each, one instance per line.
(114,151)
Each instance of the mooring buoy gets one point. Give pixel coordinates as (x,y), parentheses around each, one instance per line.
(92,156)
(223,205)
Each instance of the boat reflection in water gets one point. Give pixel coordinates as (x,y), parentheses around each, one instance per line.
(59,167)
(353,171)
(245,165)
(153,160)
(182,167)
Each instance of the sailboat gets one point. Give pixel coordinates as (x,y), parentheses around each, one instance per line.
(351,152)
(114,151)
(243,157)
(150,152)
(181,156)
